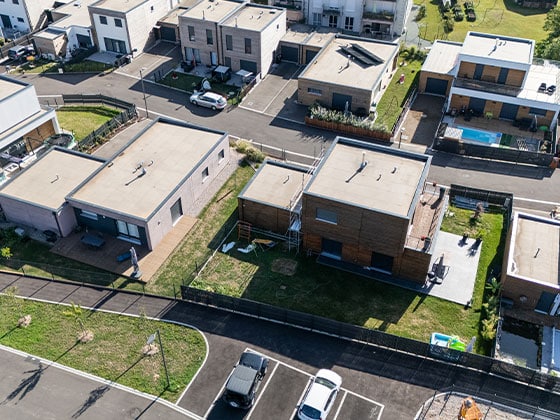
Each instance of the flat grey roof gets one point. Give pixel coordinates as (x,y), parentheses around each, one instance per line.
(168,151)
(499,47)
(76,15)
(442,58)
(10,86)
(213,11)
(534,252)
(253,17)
(173,16)
(332,65)
(388,182)
(276,185)
(118,5)
(49,33)
(47,181)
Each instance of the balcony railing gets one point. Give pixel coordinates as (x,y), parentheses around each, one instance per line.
(383,16)
(500,89)
(332,10)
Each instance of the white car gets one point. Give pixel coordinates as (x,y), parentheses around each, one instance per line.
(209,100)
(320,396)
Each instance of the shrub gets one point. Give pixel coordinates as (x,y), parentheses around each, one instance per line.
(251,153)
(323,114)
(449,25)
(421,13)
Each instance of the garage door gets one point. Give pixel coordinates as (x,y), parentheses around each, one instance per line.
(167,34)
(341,102)
(509,111)
(289,54)
(436,86)
(248,65)
(309,55)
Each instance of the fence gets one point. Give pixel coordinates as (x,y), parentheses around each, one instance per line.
(128,112)
(373,337)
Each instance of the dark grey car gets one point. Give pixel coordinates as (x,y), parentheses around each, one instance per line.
(243,383)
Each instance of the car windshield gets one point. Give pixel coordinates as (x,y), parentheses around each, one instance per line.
(310,412)
(325,382)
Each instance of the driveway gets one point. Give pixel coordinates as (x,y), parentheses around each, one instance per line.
(276,94)
(155,63)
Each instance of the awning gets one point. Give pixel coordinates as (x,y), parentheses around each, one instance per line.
(244,73)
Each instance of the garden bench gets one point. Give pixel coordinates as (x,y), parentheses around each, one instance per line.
(468,203)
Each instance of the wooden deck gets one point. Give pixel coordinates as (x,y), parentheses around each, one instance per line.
(106,256)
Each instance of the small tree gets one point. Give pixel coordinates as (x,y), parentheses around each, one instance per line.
(6,252)
(479,211)
(75,311)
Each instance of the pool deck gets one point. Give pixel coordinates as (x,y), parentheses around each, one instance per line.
(493,125)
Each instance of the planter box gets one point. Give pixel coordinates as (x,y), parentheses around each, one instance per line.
(349,129)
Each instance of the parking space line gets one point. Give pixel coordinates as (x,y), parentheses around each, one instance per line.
(217,398)
(281,90)
(340,405)
(294,412)
(262,390)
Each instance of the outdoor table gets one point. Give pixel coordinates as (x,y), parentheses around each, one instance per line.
(92,240)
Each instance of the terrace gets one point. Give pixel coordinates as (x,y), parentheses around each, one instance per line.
(426,220)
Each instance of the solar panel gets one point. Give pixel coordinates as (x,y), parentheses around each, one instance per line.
(367,53)
(358,56)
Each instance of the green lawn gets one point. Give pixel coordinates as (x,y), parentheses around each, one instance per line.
(115,352)
(349,298)
(82,120)
(497,17)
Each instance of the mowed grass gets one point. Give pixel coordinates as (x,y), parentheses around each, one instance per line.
(345,297)
(82,120)
(495,17)
(115,352)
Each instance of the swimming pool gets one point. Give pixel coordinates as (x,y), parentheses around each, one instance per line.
(480,136)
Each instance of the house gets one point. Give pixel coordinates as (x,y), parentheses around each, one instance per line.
(363,207)
(124,27)
(530,273)
(371,18)
(24,124)
(348,74)
(18,17)
(36,197)
(143,191)
(70,29)
(272,196)
(241,36)
(495,76)
(302,43)
(167,28)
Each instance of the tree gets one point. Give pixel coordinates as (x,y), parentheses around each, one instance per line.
(550,46)
(75,311)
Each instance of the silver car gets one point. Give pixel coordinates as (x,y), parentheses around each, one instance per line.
(209,100)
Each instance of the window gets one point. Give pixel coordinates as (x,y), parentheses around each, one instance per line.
(205,174)
(176,211)
(115,45)
(333,21)
(229,43)
(209,37)
(191,33)
(118,23)
(317,18)
(314,91)
(326,216)
(227,61)
(88,214)
(221,155)
(128,231)
(537,111)
(247,45)
(349,23)
(19,19)
(15,1)
(103,20)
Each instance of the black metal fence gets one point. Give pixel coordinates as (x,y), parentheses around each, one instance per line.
(128,112)
(373,337)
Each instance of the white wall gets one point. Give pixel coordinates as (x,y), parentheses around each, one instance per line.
(15,11)
(18,107)
(34,10)
(110,31)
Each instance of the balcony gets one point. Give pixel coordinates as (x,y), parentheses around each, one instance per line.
(484,86)
(332,10)
(378,16)
(289,4)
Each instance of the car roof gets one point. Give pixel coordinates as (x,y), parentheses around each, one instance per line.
(251,359)
(241,380)
(319,393)
(212,95)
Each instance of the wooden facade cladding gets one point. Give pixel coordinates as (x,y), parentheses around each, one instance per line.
(491,73)
(414,265)
(264,216)
(515,288)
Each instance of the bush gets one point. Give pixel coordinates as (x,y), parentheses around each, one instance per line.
(449,25)
(323,114)
(251,153)
(421,13)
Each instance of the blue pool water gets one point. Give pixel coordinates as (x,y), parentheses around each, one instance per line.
(480,136)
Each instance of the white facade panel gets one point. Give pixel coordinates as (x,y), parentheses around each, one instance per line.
(18,107)
(17,15)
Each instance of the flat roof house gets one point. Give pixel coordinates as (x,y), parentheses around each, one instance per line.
(126,26)
(531,276)
(301,43)
(143,191)
(36,197)
(24,124)
(71,29)
(493,75)
(18,17)
(348,74)
(241,36)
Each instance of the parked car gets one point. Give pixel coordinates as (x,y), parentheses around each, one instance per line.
(209,100)
(21,51)
(320,396)
(243,383)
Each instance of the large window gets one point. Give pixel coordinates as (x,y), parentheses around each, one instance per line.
(191,33)
(325,215)
(88,214)
(176,211)
(229,43)
(333,21)
(247,45)
(209,37)
(128,231)
(317,19)
(115,45)
(103,20)
(349,23)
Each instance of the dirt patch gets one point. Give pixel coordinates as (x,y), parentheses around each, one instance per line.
(284,266)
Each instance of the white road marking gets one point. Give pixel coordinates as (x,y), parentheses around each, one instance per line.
(340,405)
(262,390)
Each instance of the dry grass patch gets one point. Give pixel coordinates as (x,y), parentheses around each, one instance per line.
(284,266)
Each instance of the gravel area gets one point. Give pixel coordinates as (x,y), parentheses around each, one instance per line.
(447,406)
